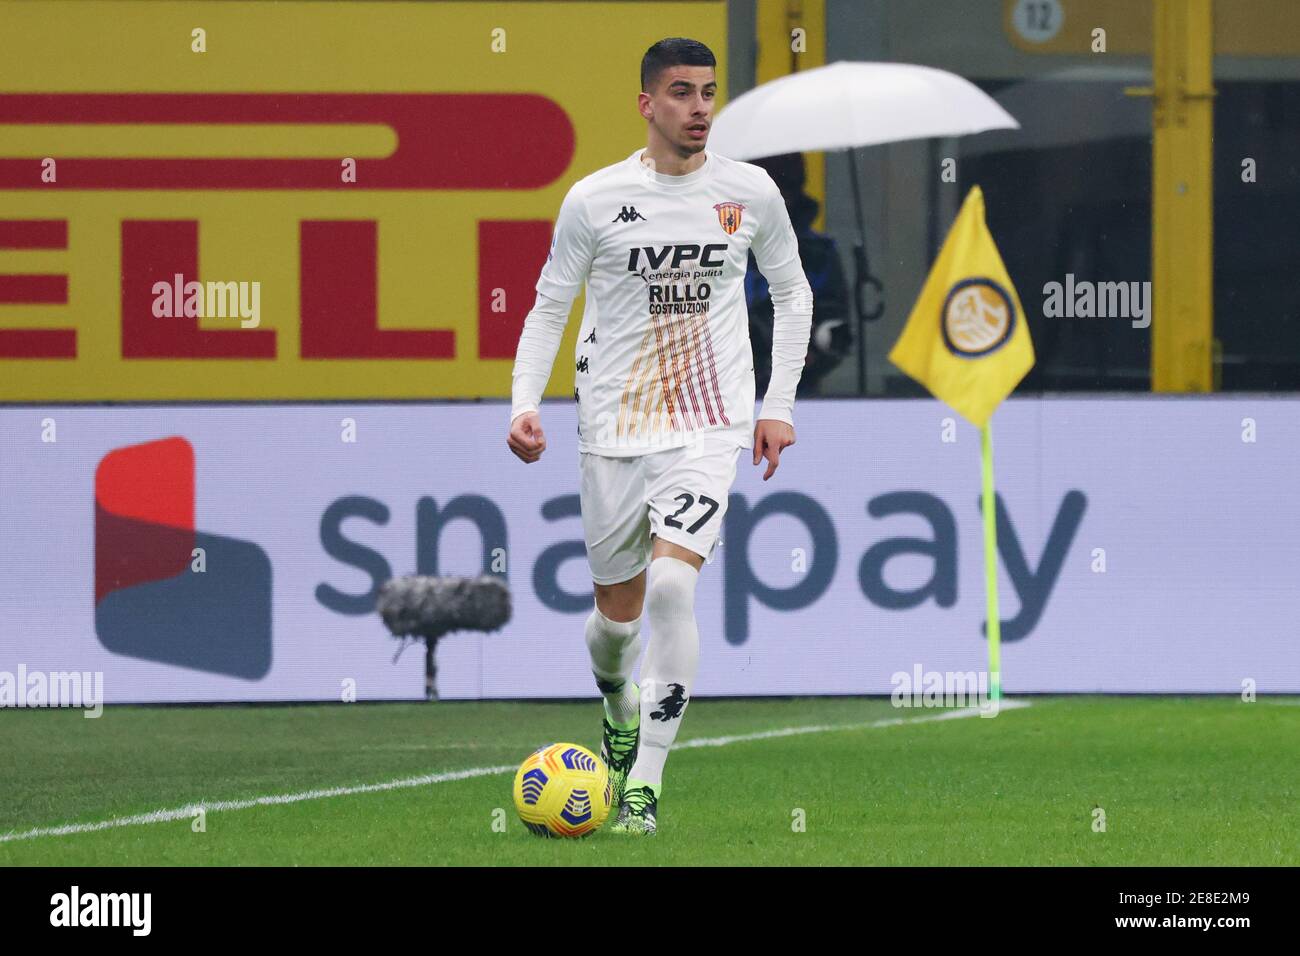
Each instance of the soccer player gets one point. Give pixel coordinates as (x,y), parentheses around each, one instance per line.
(665,392)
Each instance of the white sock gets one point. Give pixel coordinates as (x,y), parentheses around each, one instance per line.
(614,648)
(669,670)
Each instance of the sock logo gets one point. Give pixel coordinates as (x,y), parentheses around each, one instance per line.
(672,705)
(606,686)
(163,591)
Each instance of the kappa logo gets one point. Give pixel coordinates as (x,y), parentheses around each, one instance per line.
(629,214)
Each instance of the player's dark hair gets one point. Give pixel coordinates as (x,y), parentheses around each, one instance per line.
(673,51)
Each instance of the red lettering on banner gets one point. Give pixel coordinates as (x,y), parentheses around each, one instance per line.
(38,343)
(35,290)
(445,140)
(497,141)
(33,233)
(156,251)
(339,310)
(510,256)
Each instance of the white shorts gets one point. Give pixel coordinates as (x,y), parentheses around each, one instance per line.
(679,494)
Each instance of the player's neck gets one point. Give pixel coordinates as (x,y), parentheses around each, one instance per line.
(666,160)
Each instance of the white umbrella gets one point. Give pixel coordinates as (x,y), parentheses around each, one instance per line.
(846,105)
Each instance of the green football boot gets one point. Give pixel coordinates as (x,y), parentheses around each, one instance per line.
(618,747)
(636,814)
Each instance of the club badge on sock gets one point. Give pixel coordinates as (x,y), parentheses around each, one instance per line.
(672,705)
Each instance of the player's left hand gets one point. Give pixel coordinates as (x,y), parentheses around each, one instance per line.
(770,436)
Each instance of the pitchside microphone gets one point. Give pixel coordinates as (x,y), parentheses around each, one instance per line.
(429,608)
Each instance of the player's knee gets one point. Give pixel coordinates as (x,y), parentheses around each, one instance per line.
(671,593)
(622,602)
(602,632)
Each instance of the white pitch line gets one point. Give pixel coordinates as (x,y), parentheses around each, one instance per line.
(185,812)
(189,810)
(826,728)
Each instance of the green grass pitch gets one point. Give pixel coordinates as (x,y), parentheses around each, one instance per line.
(1182,781)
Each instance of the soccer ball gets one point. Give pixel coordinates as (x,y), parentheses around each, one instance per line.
(562,791)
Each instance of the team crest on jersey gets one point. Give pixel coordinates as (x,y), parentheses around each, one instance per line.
(729,214)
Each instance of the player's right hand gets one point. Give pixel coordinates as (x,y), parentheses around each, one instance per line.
(526,439)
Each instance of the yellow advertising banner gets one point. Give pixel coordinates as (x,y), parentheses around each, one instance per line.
(298,201)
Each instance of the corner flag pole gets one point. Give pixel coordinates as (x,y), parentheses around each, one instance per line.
(991,563)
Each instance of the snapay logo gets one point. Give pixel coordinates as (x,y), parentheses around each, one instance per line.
(75,908)
(163,591)
(743,584)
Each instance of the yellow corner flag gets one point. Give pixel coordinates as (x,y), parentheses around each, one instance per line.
(966,339)
(967,342)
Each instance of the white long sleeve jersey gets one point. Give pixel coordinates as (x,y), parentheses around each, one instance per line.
(663,353)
